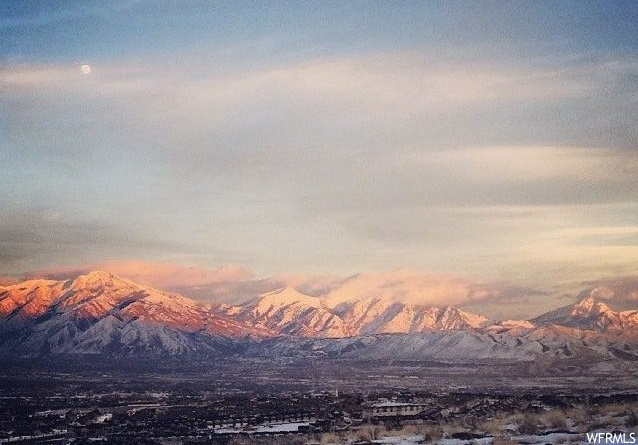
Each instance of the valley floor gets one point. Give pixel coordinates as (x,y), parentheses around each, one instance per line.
(245,402)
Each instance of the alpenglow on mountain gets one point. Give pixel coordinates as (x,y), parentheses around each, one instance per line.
(290,312)
(100,313)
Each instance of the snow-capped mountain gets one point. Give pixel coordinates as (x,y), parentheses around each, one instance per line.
(100,312)
(375,315)
(541,351)
(287,311)
(591,313)
(290,312)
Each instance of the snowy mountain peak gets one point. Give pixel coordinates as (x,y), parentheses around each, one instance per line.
(289,295)
(584,306)
(280,300)
(31,283)
(100,278)
(287,311)
(100,312)
(592,314)
(516,324)
(28,299)
(589,307)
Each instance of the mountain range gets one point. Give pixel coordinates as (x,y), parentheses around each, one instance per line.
(287,311)
(101,313)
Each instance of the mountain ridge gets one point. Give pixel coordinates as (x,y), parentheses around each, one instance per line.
(100,312)
(287,311)
(591,313)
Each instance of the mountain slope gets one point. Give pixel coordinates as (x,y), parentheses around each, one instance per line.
(375,315)
(100,312)
(592,314)
(289,312)
(546,350)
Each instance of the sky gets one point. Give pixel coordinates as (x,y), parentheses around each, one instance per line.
(489,140)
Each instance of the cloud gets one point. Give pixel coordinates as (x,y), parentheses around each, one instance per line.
(427,198)
(326,162)
(529,164)
(228,283)
(29,239)
(622,289)
(618,291)
(408,286)
(43,16)
(414,80)
(352,91)
(606,235)
(163,275)
(7,281)
(234,284)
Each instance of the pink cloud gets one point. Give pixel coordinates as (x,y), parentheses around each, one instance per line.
(235,284)
(6,281)
(162,275)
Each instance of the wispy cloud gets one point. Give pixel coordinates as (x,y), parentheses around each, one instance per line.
(37,238)
(615,235)
(378,157)
(408,82)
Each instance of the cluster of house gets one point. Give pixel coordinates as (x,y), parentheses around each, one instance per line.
(304,423)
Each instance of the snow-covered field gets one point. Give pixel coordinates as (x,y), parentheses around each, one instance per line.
(601,425)
(617,437)
(554,438)
(617,424)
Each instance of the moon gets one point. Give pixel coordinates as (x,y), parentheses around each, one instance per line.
(85,69)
